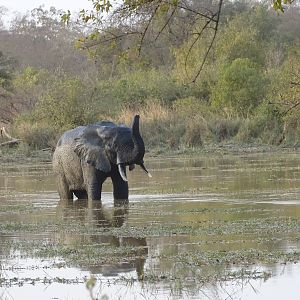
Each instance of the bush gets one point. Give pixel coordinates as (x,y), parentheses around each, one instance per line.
(265,127)
(134,89)
(67,104)
(241,88)
(292,128)
(36,136)
(223,129)
(191,106)
(196,132)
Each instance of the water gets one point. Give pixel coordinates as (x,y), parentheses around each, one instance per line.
(212,227)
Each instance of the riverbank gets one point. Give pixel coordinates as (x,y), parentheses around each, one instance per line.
(23,153)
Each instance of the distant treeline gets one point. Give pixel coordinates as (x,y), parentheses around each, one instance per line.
(247,92)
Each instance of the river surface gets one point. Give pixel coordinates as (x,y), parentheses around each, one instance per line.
(207,227)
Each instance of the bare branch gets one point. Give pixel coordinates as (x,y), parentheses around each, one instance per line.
(291,108)
(166,23)
(212,40)
(199,34)
(114,37)
(186,8)
(147,27)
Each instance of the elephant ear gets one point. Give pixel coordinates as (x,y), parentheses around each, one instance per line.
(91,149)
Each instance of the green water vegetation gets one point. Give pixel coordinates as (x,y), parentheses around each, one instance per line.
(247,93)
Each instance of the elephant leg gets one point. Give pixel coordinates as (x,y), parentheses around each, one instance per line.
(120,187)
(93,179)
(94,191)
(63,189)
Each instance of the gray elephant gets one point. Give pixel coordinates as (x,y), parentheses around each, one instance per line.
(85,156)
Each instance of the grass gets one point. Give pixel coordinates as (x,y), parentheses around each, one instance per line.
(25,154)
(268,230)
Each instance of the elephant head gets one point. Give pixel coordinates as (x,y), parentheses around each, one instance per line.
(105,143)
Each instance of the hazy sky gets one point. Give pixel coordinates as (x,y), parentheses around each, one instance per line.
(27,5)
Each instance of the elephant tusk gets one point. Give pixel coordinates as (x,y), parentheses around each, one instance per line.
(145,170)
(122,171)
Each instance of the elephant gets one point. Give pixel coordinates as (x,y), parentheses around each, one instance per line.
(85,156)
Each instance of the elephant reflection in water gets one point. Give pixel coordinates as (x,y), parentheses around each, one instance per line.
(91,213)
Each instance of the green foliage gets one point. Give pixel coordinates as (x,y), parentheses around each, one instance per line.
(30,83)
(292,129)
(29,77)
(240,41)
(278,4)
(189,57)
(192,106)
(240,89)
(35,135)
(134,88)
(289,85)
(67,104)
(60,102)
(265,127)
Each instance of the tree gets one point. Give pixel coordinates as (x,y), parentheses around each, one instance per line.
(41,40)
(136,17)
(7,107)
(285,92)
(241,87)
(139,19)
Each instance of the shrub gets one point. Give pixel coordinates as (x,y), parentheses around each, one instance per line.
(67,104)
(292,128)
(191,106)
(241,87)
(265,127)
(223,129)
(36,136)
(196,132)
(134,89)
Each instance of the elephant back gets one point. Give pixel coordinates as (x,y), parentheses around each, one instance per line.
(70,135)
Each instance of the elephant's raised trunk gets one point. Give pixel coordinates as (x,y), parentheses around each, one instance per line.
(139,147)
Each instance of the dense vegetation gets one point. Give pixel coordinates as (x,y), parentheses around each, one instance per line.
(52,79)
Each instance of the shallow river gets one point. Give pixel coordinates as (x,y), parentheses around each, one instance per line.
(211,227)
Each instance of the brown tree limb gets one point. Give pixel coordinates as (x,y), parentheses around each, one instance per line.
(13,141)
(199,34)
(186,8)
(147,27)
(290,108)
(10,143)
(166,23)
(212,40)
